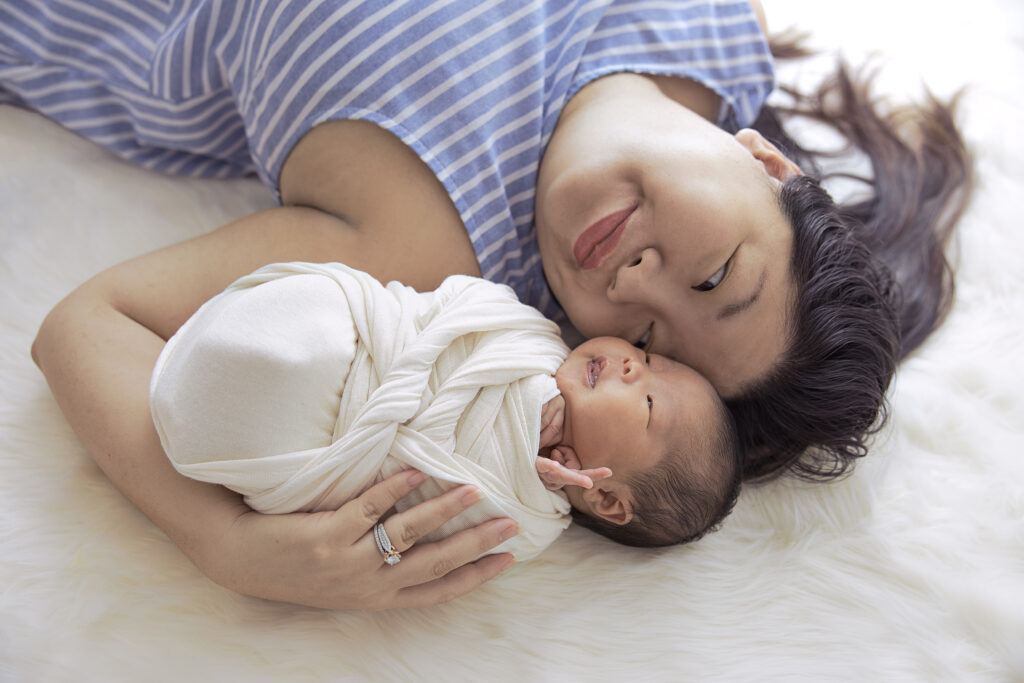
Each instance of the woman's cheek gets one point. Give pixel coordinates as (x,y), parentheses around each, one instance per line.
(602,322)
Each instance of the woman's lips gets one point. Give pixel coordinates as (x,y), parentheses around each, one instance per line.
(598,241)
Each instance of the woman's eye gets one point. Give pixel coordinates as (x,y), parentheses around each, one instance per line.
(644,340)
(712,281)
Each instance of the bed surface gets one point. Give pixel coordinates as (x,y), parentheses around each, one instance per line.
(911,569)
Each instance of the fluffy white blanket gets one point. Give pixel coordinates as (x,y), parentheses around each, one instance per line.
(911,569)
(303,384)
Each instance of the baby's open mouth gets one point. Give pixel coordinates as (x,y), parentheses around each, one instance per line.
(594,368)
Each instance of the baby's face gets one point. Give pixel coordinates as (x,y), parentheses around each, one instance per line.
(624,409)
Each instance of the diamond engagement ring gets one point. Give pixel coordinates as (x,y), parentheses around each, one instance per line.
(391,556)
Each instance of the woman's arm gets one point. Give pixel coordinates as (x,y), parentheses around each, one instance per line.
(97,349)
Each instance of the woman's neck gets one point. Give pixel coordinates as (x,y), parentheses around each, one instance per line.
(648,88)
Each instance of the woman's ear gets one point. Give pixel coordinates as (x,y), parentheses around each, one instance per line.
(610,501)
(774,161)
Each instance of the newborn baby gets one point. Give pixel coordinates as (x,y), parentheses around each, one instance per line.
(302,385)
(659,428)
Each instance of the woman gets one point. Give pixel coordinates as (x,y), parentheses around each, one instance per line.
(650,221)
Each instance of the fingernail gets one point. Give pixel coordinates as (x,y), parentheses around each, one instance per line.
(415,478)
(509,563)
(470,496)
(507,531)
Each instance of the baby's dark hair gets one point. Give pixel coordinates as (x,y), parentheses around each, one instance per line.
(686,495)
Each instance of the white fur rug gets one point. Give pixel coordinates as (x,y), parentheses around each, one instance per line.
(912,569)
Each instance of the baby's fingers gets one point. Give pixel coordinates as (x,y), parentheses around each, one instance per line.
(546,470)
(597,474)
(568,477)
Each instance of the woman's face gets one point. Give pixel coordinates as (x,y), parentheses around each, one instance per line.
(658,227)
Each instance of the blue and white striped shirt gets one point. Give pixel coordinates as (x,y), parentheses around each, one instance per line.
(220,88)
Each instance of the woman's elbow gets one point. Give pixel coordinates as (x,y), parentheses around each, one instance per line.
(61,327)
(51,332)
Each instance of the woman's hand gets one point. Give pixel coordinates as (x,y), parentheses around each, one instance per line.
(329,559)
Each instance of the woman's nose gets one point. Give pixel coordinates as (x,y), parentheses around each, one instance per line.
(633,279)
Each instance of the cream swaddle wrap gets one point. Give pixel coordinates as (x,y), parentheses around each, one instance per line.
(302,385)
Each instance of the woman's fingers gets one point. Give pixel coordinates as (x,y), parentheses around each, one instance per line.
(430,561)
(371,505)
(432,572)
(438,572)
(405,528)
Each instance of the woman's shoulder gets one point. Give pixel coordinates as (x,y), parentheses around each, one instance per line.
(720,47)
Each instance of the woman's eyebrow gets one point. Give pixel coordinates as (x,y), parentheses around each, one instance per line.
(732,309)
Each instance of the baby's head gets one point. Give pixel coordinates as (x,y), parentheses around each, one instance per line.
(663,431)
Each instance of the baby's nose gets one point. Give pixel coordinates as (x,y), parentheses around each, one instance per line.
(630,369)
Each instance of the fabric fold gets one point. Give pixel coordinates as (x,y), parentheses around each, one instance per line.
(302,385)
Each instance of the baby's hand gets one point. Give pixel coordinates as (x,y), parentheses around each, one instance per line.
(552,417)
(562,469)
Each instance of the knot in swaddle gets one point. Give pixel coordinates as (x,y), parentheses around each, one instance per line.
(302,385)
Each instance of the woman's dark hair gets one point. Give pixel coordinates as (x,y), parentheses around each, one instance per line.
(686,495)
(872,279)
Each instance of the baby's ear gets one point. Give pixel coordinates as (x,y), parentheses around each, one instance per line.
(610,501)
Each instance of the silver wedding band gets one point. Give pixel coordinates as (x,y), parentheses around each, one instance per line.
(391,556)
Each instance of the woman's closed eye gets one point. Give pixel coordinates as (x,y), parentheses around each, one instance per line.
(644,341)
(650,409)
(715,279)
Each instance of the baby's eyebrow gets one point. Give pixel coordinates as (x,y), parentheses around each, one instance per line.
(732,309)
